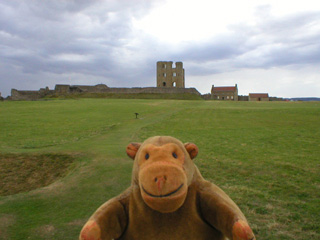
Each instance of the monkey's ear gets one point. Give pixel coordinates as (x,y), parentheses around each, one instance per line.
(132,149)
(192,149)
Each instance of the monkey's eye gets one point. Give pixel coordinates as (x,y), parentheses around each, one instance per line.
(174,155)
(147,156)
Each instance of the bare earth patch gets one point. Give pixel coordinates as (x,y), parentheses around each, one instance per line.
(25,172)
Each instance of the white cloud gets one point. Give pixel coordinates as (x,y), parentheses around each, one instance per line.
(185,21)
(65,57)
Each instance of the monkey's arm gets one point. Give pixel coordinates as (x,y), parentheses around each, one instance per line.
(222,213)
(108,222)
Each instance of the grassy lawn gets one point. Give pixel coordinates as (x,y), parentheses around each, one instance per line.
(265,155)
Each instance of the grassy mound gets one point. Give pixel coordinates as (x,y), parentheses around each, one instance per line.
(25,172)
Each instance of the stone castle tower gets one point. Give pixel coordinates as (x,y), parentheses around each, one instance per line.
(167,76)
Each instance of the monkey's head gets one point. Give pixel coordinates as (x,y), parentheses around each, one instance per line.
(163,170)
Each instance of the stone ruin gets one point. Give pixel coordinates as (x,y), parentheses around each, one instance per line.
(170,80)
(168,76)
(64,90)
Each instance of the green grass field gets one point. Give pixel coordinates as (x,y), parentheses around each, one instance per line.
(265,155)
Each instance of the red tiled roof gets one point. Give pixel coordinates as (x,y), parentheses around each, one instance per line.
(224,89)
(259,95)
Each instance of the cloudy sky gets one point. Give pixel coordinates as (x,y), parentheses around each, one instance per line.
(268,46)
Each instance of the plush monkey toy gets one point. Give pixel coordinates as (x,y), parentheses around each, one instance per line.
(168,199)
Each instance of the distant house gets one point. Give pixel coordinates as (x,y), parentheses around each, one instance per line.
(224,93)
(258,97)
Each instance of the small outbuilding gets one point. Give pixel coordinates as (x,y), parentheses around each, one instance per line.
(258,97)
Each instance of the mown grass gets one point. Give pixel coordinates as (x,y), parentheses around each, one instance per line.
(264,155)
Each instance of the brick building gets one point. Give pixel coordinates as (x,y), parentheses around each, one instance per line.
(258,97)
(224,93)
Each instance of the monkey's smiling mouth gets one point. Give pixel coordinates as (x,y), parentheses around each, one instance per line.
(162,196)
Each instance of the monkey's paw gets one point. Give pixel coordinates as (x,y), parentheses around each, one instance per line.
(90,231)
(242,231)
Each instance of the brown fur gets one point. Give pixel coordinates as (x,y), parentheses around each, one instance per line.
(168,199)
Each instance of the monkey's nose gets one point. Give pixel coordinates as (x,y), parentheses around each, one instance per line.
(160,181)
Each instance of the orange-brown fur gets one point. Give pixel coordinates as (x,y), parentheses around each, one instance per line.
(168,199)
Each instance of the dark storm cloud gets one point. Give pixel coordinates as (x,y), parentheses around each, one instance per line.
(87,37)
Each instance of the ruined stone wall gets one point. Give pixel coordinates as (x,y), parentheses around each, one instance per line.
(243,98)
(62,88)
(135,90)
(67,89)
(29,95)
(92,89)
(154,90)
(206,96)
